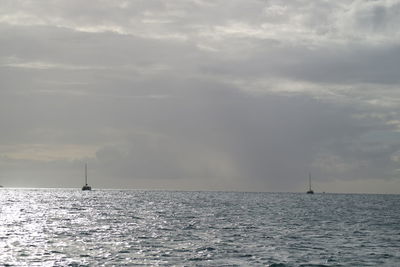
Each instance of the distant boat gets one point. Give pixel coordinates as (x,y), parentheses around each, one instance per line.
(86,187)
(310,191)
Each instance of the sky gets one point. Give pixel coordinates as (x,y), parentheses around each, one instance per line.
(238,95)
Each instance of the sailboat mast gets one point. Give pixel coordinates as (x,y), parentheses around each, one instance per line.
(86,173)
(309,180)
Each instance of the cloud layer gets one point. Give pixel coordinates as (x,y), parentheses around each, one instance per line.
(208,95)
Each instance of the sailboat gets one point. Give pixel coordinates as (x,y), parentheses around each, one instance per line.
(310,191)
(86,187)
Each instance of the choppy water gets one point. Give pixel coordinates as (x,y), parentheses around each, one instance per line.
(65,227)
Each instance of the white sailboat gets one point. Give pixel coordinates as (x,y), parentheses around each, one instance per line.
(310,191)
(86,187)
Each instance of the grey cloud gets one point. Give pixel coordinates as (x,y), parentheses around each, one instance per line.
(355,64)
(273,140)
(376,16)
(151,88)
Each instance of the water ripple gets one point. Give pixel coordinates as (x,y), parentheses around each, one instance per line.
(57,227)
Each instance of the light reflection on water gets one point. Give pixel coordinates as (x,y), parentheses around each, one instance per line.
(61,227)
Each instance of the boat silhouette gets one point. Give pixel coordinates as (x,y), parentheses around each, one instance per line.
(86,187)
(310,191)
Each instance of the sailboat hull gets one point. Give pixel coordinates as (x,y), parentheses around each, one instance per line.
(86,188)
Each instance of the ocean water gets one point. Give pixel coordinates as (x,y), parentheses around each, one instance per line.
(68,227)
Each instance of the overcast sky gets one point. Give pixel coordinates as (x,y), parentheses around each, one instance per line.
(244,95)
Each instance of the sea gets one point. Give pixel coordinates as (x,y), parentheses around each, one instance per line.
(70,227)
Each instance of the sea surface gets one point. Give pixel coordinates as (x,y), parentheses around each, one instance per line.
(69,227)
